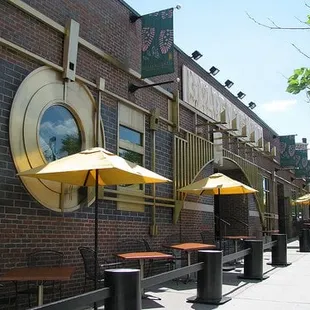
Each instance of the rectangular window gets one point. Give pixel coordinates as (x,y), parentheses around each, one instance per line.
(131,148)
(266,194)
(132,156)
(129,135)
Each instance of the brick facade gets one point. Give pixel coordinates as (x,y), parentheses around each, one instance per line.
(25,225)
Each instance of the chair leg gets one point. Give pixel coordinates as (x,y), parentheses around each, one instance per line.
(53,292)
(16,294)
(84,284)
(29,301)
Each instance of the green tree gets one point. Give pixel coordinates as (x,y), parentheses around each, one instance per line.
(71,144)
(299,81)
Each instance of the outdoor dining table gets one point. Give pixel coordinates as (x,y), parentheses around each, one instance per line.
(142,256)
(238,238)
(190,247)
(39,274)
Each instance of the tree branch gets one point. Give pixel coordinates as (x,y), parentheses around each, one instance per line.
(300,51)
(301,21)
(275,27)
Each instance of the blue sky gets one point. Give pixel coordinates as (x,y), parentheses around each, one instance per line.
(258,60)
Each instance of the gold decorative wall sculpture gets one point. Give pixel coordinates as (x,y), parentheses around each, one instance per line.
(42,89)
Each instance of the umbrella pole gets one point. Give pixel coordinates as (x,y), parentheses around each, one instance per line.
(96,233)
(219,215)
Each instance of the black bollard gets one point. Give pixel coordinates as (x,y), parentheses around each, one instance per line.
(210,279)
(304,240)
(279,251)
(125,285)
(253,263)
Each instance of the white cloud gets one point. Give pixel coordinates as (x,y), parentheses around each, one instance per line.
(278,105)
(68,127)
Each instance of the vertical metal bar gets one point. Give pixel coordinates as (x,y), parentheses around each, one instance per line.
(175,167)
(96,232)
(153,185)
(98,119)
(40,294)
(184,174)
(191,157)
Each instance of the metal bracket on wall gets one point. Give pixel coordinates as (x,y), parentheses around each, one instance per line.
(177,210)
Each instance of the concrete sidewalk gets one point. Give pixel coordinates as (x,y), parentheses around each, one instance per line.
(287,288)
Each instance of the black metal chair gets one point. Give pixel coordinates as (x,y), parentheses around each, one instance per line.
(173,239)
(88,256)
(131,245)
(167,263)
(207,237)
(42,258)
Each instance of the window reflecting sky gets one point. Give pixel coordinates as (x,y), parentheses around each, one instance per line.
(130,135)
(59,135)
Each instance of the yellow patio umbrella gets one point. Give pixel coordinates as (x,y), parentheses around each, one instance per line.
(217,184)
(94,167)
(305,199)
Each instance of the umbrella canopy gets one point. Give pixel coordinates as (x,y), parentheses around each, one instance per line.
(80,169)
(305,199)
(217,183)
(94,167)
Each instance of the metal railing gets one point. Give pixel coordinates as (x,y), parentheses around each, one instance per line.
(254,252)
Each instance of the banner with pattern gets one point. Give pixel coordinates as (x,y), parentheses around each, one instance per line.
(157,44)
(287,151)
(301,164)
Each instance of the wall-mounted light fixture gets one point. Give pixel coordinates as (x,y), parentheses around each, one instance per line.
(252,105)
(241,95)
(196,55)
(214,70)
(229,83)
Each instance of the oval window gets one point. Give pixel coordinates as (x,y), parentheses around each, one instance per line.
(59,134)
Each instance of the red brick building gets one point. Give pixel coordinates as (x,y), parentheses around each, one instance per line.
(46,96)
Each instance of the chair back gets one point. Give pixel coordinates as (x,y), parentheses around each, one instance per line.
(172,240)
(147,245)
(207,237)
(45,258)
(131,245)
(88,256)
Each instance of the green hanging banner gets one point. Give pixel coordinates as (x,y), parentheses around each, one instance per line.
(301,157)
(157,44)
(287,151)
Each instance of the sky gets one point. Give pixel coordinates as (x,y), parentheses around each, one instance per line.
(258,60)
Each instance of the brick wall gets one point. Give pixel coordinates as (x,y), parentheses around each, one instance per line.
(25,225)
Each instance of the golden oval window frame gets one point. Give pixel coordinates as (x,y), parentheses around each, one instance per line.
(40,90)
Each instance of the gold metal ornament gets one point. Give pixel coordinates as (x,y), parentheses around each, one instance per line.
(42,89)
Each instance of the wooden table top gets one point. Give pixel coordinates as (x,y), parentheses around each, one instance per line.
(38,274)
(239,237)
(191,246)
(145,255)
